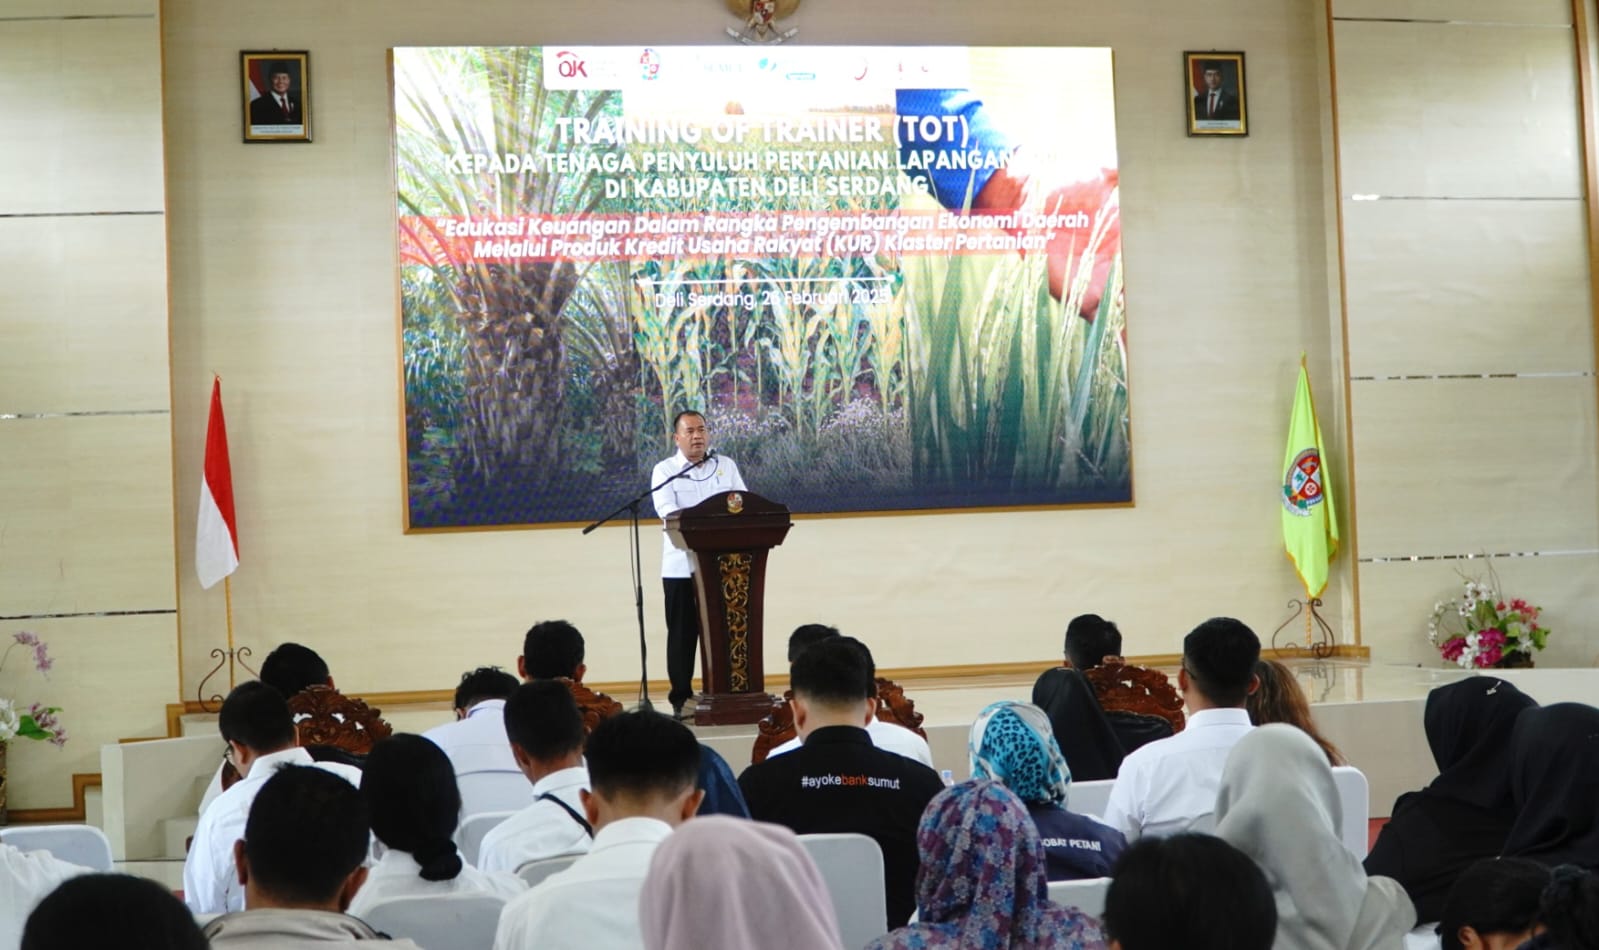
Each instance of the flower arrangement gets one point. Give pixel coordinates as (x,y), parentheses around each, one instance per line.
(39,722)
(1481,630)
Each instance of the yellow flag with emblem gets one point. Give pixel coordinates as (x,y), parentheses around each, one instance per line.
(1310,525)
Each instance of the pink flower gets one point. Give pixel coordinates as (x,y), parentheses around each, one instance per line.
(41,658)
(1453,648)
(1492,637)
(1519,605)
(60,738)
(1500,607)
(1489,656)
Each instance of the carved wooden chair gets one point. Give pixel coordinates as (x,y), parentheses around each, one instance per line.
(328,719)
(1136,689)
(778,726)
(594,706)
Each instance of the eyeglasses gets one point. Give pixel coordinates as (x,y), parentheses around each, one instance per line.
(227,752)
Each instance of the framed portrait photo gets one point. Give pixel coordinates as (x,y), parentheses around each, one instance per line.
(1218,102)
(276,90)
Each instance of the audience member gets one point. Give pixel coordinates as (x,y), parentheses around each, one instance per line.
(834,692)
(546,736)
(259,730)
(1554,773)
(292,668)
(1192,891)
(476,745)
(1011,743)
(1493,905)
(1089,639)
(1279,805)
(642,771)
(25,878)
(1081,728)
(411,796)
(721,882)
(1170,785)
(289,669)
(1279,698)
(719,786)
(982,882)
(300,862)
(1465,814)
(889,736)
(1568,912)
(552,649)
(109,910)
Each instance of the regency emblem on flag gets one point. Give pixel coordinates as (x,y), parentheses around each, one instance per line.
(1302,485)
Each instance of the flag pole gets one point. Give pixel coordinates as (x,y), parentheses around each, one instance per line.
(227,597)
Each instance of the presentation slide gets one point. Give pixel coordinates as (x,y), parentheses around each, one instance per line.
(890,278)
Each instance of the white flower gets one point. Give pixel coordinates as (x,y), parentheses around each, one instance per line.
(10,722)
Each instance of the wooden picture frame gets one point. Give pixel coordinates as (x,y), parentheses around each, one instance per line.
(1218,101)
(275,86)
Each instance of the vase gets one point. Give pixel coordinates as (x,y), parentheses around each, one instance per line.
(1513,660)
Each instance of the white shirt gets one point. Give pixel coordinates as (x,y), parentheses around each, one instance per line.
(686,492)
(542,829)
(592,905)
(886,736)
(477,747)
(210,880)
(26,877)
(1170,785)
(396,877)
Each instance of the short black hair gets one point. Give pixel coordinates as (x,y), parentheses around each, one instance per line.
(112,910)
(485,682)
(308,830)
(686,412)
(552,649)
(835,671)
(1497,895)
(291,668)
(1089,639)
(642,754)
(410,791)
(1189,890)
(1220,656)
(1569,911)
(806,634)
(542,718)
(257,717)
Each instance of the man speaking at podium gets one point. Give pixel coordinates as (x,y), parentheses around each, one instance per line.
(694,474)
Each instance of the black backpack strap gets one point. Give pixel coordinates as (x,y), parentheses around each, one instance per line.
(588,829)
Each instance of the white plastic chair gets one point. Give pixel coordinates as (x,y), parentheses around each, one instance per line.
(469,836)
(852,868)
(83,845)
(534,872)
(1089,798)
(445,922)
(483,793)
(1354,794)
(1087,896)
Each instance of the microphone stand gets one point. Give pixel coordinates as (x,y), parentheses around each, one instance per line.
(631,506)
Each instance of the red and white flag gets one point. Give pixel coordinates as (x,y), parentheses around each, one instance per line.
(216,540)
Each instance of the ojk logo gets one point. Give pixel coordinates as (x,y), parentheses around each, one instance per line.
(649,63)
(569,65)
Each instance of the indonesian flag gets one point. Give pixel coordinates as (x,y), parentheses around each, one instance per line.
(216,540)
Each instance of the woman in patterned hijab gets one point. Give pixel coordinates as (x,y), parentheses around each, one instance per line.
(1013,744)
(981,885)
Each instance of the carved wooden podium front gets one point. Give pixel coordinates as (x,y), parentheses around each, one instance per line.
(727,537)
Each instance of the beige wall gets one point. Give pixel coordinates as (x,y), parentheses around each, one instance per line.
(86,544)
(1470,314)
(1227,248)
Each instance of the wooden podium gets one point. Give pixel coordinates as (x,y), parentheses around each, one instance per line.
(727,537)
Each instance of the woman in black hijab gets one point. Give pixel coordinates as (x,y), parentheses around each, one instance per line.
(1092,750)
(1466,813)
(1554,777)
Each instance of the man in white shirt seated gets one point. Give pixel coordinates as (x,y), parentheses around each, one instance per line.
(25,878)
(485,770)
(1170,786)
(888,736)
(545,732)
(259,730)
(643,767)
(300,864)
